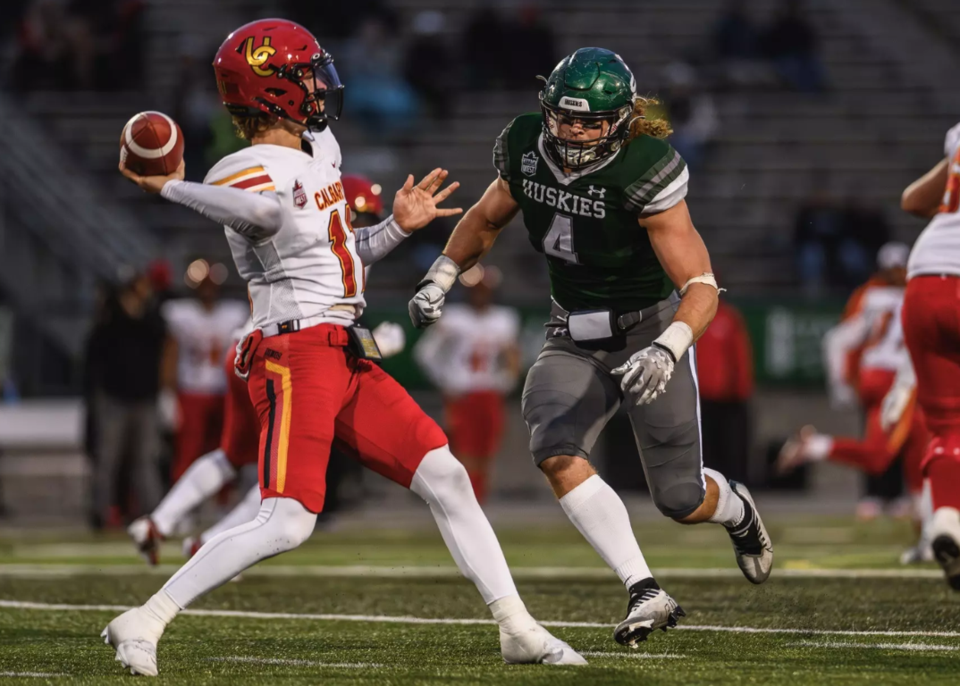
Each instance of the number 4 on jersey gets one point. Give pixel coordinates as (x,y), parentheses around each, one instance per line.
(559,239)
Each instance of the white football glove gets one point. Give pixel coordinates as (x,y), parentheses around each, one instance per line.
(427,305)
(897,399)
(390,338)
(646,374)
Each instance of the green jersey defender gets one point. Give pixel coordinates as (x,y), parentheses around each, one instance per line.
(604,201)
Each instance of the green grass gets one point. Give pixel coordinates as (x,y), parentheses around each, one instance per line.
(197,649)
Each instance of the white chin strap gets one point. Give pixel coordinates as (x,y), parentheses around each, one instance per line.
(707,278)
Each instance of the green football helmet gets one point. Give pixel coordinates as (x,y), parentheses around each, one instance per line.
(593,86)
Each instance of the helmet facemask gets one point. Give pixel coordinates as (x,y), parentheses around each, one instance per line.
(326,89)
(577,154)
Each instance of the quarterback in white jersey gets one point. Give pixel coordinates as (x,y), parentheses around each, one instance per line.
(309,369)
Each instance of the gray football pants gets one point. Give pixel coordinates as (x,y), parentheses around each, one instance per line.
(570,395)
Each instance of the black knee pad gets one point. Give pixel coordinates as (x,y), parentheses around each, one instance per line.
(679,501)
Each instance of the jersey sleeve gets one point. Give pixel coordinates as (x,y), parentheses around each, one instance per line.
(952,141)
(241,171)
(511,142)
(662,181)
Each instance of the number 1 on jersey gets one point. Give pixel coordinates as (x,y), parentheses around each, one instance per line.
(559,239)
(338,243)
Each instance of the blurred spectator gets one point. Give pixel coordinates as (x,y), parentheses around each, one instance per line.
(737,58)
(691,112)
(201,329)
(725,380)
(378,97)
(428,64)
(866,230)
(123,374)
(80,45)
(735,37)
(531,47)
(486,55)
(817,234)
(43,59)
(792,43)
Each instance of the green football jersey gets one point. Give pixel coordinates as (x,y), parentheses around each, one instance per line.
(586,223)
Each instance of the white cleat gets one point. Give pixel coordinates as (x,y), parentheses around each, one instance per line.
(945,531)
(147,539)
(536,645)
(134,635)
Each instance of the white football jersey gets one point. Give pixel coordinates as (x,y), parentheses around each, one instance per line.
(465,350)
(937,250)
(203,338)
(311,264)
(884,348)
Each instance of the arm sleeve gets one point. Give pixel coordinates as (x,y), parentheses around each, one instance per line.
(375,242)
(661,187)
(253,215)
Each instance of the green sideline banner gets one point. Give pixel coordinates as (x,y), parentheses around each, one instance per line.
(786,338)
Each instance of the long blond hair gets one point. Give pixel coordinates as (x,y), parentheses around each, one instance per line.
(641,124)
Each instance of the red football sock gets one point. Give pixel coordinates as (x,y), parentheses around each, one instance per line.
(944,475)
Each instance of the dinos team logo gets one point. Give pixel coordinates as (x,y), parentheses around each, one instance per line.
(257,57)
(528,163)
(299,195)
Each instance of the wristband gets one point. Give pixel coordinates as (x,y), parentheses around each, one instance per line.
(444,273)
(676,339)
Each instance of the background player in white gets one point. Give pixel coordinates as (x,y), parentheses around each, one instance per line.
(201,331)
(306,361)
(473,356)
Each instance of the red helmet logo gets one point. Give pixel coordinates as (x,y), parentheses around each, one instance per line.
(278,67)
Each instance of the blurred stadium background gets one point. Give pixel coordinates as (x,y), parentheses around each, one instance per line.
(802,123)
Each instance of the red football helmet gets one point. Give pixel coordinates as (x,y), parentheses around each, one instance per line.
(361,195)
(263,67)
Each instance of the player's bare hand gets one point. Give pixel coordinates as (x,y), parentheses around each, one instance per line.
(415,206)
(153,184)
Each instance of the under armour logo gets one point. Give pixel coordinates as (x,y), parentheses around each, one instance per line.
(593,190)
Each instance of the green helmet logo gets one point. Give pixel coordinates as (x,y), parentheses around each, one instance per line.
(587,104)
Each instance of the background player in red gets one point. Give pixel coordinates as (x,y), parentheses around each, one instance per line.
(931,330)
(473,357)
(201,331)
(863,354)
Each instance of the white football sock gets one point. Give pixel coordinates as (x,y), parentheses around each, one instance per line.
(600,515)
(244,511)
(730,508)
(512,615)
(281,525)
(443,483)
(206,476)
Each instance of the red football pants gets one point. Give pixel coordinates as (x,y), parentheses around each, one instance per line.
(874,453)
(309,391)
(240,438)
(201,423)
(475,425)
(931,329)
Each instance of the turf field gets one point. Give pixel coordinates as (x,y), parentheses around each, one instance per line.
(384,606)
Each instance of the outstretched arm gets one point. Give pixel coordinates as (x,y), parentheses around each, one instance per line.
(472,238)
(923,196)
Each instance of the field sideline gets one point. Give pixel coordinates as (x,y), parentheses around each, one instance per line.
(385,606)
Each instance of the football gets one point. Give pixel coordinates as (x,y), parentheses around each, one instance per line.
(151,144)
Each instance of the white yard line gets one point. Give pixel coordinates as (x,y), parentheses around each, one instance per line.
(38,675)
(387,619)
(295,663)
(400,571)
(634,656)
(878,646)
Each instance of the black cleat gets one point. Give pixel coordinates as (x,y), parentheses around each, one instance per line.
(649,609)
(751,544)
